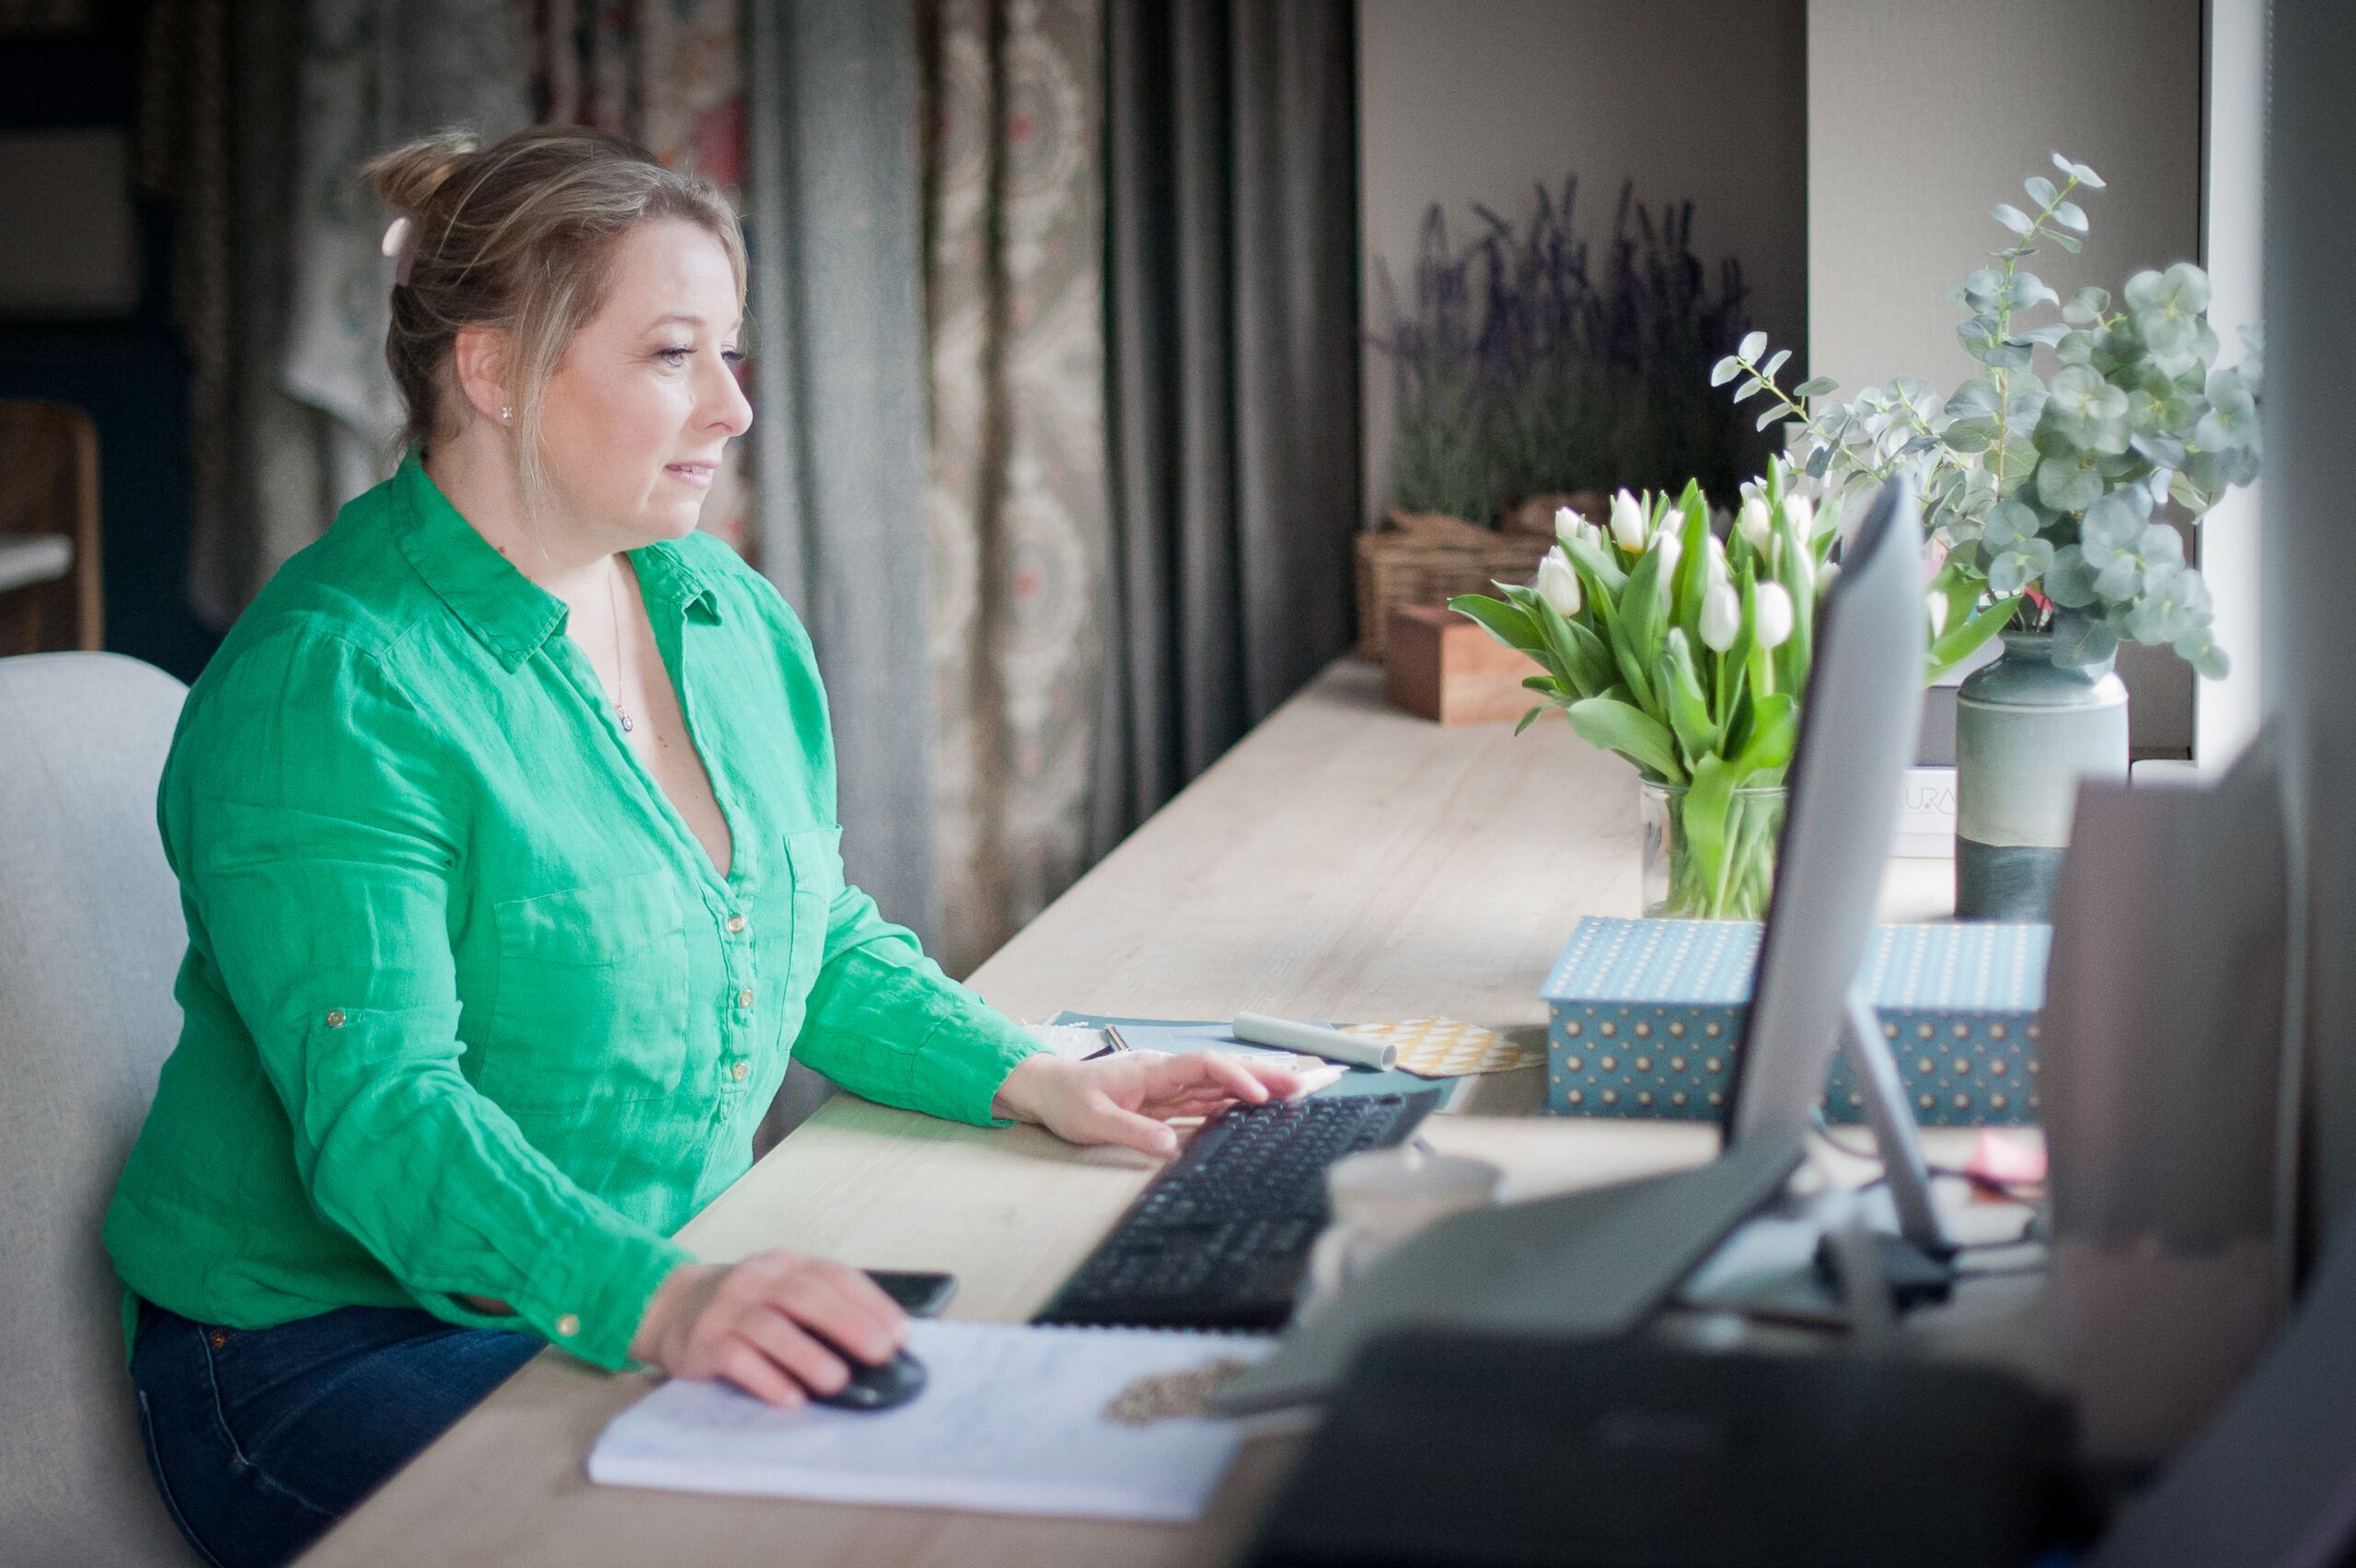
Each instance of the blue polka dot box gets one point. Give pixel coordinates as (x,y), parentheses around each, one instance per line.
(1642,1018)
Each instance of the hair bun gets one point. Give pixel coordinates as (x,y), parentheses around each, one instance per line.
(407,176)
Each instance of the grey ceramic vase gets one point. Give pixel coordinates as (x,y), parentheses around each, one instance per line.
(2026,731)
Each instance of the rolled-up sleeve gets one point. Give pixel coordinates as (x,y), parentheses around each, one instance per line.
(885,1022)
(318,861)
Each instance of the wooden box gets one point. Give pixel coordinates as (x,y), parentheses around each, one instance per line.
(1429,558)
(1442,666)
(1425,559)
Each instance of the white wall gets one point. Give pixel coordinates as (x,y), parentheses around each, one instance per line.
(1479,100)
(1920,116)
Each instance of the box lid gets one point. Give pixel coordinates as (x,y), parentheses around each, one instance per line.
(1985,966)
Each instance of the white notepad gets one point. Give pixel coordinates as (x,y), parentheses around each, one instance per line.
(1011,1421)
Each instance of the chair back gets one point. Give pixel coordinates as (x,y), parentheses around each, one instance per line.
(91,935)
(49,528)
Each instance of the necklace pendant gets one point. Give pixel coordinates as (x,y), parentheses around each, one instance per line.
(627,725)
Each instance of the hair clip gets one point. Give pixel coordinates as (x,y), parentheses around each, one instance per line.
(400,245)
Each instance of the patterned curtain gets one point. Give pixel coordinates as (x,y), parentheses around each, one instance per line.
(1017,508)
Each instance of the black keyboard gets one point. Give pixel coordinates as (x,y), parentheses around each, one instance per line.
(1221,1237)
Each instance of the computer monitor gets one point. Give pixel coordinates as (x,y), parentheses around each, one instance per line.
(1596,1262)
(1858,722)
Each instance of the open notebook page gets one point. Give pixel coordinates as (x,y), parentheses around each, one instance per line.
(1012,1420)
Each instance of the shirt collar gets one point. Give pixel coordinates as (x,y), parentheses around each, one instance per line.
(662,571)
(506,610)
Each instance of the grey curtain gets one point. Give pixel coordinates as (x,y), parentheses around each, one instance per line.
(839,444)
(218,132)
(256,116)
(1231,283)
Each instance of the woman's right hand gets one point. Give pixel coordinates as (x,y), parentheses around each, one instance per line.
(752,1323)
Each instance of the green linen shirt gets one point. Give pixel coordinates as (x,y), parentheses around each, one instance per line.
(468,1011)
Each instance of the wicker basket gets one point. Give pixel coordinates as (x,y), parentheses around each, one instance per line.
(1427,559)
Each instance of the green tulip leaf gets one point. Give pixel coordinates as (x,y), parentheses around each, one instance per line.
(1707,804)
(1614,726)
(1961,642)
(1689,710)
(1774,731)
(1506,622)
(1576,652)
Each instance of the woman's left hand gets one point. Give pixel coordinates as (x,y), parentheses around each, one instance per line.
(1129,1097)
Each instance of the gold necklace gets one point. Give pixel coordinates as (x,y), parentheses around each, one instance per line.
(621,671)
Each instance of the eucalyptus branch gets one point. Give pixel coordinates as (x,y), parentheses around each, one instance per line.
(2044,491)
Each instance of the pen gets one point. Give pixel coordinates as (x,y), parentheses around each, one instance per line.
(1117,1046)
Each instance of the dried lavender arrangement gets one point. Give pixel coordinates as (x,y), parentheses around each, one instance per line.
(1546,379)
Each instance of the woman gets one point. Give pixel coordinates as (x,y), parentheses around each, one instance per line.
(504,823)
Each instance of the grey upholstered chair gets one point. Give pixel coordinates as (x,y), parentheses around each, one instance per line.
(91,935)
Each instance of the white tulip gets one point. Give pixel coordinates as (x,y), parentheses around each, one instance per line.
(1825,576)
(1670,547)
(1627,523)
(1936,605)
(1757,525)
(1558,585)
(1801,515)
(1721,616)
(1716,572)
(1774,623)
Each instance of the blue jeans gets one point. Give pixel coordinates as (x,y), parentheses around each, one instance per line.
(261,1439)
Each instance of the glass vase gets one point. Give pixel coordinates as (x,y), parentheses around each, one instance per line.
(1724,873)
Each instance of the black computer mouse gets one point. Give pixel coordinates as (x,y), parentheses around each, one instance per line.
(871,1388)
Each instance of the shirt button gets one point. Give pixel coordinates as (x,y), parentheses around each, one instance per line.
(335,1018)
(736,924)
(745,999)
(568,1325)
(741,1071)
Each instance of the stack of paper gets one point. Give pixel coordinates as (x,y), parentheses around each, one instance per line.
(1012,1420)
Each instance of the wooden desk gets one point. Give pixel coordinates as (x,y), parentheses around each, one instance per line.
(1344,861)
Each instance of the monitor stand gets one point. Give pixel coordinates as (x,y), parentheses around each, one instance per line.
(1892,1121)
(1913,1266)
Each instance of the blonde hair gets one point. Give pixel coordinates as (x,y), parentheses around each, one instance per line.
(520,237)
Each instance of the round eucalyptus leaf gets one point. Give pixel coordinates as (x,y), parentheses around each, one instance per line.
(2199,650)
(2158,543)
(2081,640)
(2070,582)
(2065,485)
(2109,528)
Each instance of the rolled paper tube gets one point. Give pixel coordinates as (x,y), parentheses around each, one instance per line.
(1259,1029)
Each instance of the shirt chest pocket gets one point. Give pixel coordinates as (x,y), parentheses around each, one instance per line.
(593,996)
